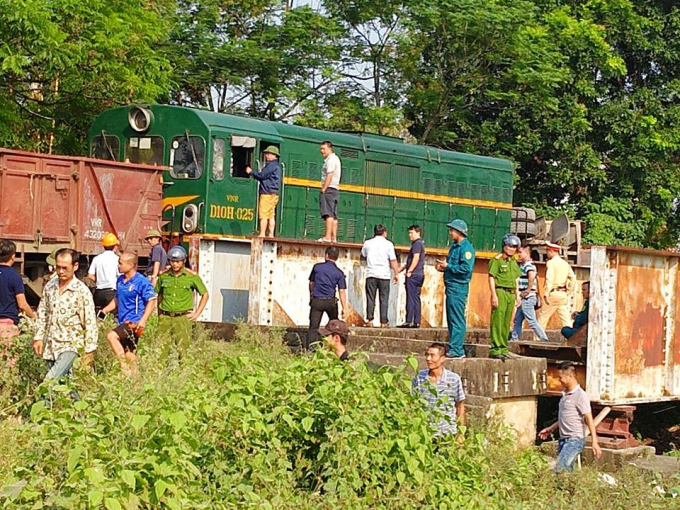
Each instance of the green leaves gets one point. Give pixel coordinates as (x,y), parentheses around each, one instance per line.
(139,420)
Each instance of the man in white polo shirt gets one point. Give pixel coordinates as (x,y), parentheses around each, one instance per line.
(330,192)
(104,272)
(380,257)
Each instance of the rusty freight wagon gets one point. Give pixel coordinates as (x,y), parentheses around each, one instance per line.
(49,202)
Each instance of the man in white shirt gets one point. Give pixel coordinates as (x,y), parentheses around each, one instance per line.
(330,192)
(380,257)
(104,272)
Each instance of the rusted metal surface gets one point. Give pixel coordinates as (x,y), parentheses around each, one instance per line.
(633,326)
(614,430)
(51,201)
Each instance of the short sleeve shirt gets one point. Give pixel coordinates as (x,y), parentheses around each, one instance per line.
(132,297)
(526,268)
(104,268)
(11,284)
(573,407)
(417,246)
(177,292)
(327,277)
(157,254)
(505,271)
(332,165)
(441,397)
(378,252)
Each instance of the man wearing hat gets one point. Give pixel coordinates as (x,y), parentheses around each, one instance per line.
(104,272)
(336,333)
(270,181)
(158,258)
(457,270)
(503,274)
(175,289)
(559,278)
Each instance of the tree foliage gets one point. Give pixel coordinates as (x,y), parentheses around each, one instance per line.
(581,94)
(64,61)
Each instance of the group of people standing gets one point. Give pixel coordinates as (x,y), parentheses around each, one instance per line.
(67,325)
(512,278)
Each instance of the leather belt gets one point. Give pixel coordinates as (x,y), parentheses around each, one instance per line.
(173,314)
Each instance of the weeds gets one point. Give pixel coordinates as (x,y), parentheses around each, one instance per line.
(249,425)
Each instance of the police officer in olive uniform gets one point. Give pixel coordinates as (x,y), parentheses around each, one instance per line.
(503,274)
(457,270)
(175,289)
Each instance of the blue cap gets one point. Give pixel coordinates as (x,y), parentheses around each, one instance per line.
(458,225)
(177,253)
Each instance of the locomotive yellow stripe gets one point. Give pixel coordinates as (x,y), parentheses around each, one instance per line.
(176,201)
(390,192)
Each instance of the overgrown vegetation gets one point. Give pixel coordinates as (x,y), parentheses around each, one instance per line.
(248,424)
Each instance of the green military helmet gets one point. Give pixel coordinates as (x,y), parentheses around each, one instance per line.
(52,258)
(273,150)
(153,233)
(458,225)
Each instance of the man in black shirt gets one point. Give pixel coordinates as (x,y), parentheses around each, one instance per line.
(336,333)
(415,276)
(325,278)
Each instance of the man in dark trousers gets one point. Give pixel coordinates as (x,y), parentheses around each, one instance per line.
(270,181)
(325,278)
(415,276)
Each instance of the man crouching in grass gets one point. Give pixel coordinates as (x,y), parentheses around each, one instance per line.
(573,418)
(442,390)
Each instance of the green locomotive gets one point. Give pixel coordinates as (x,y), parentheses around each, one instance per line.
(384,180)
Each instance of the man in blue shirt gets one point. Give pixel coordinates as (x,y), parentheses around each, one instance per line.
(12,294)
(442,391)
(323,280)
(135,300)
(270,180)
(580,318)
(415,276)
(457,270)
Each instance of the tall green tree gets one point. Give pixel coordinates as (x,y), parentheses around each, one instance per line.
(64,61)
(263,58)
(583,95)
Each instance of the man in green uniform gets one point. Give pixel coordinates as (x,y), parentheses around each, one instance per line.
(503,273)
(457,270)
(175,289)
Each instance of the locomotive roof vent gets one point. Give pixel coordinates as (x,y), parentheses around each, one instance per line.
(140,119)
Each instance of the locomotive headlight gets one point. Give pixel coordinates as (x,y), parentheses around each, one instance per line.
(140,119)
(190,218)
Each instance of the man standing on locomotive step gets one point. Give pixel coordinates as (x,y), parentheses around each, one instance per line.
(67,323)
(104,272)
(270,181)
(559,279)
(503,274)
(158,258)
(457,270)
(135,300)
(175,289)
(330,192)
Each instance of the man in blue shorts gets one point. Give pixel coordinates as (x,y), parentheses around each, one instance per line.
(135,300)
(573,418)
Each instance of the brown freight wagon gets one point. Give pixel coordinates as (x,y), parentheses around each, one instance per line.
(49,202)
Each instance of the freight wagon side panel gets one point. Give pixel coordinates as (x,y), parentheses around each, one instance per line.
(120,198)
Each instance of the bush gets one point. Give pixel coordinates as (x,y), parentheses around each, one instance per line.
(249,425)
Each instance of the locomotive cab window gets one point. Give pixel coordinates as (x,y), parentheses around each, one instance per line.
(219,148)
(187,157)
(147,150)
(105,147)
(242,152)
